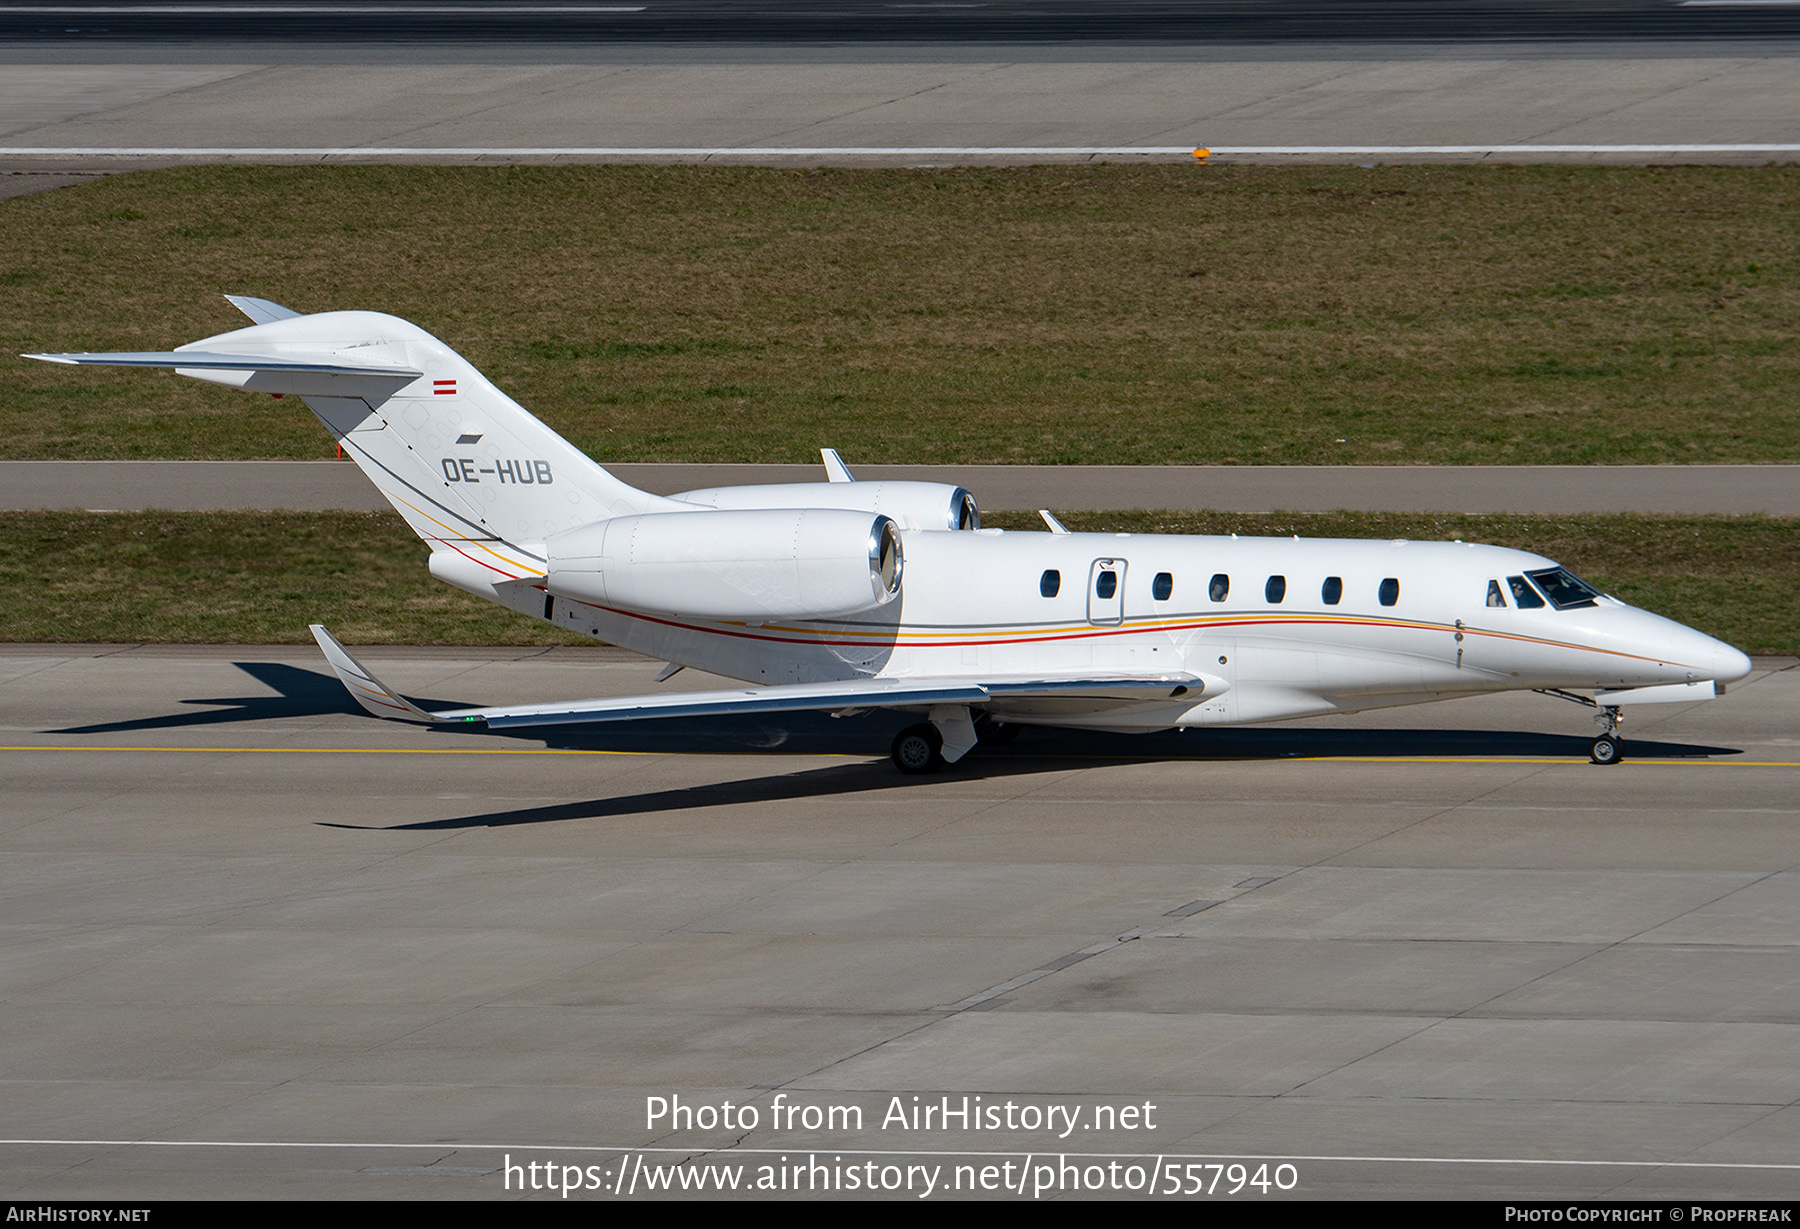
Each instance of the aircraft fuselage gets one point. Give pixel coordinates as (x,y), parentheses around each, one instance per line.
(1294,627)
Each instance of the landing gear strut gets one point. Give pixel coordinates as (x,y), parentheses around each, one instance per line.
(1609,748)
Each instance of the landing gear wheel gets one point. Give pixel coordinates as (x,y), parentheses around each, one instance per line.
(918,749)
(1607,749)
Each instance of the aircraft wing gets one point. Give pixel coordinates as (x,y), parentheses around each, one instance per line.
(381,700)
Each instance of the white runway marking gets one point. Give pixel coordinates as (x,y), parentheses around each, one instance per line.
(873,151)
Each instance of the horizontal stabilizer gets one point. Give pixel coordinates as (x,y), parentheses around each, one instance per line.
(260,311)
(205,360)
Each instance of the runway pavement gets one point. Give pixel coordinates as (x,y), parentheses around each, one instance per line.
(107,105)
(1772,490)
(261,945)
(413,24)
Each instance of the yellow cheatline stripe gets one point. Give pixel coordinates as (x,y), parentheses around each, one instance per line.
(1315,759)
(450,531)
(1028,633)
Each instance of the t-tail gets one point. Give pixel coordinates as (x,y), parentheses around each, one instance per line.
(480,479)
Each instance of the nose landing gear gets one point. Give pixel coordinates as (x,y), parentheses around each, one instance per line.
(1609,748)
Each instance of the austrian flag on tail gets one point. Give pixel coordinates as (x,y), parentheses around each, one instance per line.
(444,388)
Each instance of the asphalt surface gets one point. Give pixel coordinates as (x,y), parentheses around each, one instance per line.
(259,944)
(110,104)
(818,21)
(1772,490)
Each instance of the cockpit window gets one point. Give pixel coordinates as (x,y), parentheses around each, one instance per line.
(1565,590)
(1495,597)
(1524,596)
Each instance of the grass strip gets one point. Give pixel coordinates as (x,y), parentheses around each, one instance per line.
(1143,314)
(260,578)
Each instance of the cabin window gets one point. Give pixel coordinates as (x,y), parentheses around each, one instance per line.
(1495,597)
(1524,596)
(1219,587)
(1106,585)
(1564,589)
(1163,586)
(1275,590)
(1050,582)
(1390,591)
(1332,591)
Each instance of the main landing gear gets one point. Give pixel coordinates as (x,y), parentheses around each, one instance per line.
(1609,748)
(950,734)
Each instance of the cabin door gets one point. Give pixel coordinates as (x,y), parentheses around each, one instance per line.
(1106,592)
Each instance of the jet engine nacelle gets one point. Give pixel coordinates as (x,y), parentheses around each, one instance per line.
(928,505)
(776,563)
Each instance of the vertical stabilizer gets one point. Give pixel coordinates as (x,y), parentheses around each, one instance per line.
(466,465)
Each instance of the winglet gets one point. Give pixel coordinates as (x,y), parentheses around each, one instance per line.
(835,469)
(370,692)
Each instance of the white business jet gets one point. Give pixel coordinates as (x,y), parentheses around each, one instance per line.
(843,596)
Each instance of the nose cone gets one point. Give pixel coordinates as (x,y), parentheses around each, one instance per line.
(1708,658)
(1682,654)
(1729,665)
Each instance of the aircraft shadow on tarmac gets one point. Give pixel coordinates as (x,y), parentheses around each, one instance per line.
(306,693)
(820,734)
(299,693)
(1038,750)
